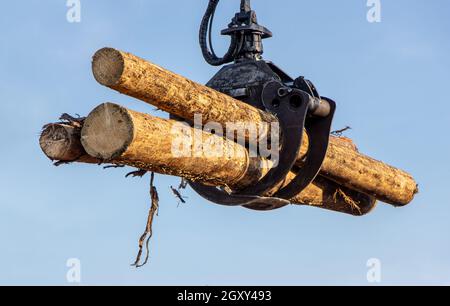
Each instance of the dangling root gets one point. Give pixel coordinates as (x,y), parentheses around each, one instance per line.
(148,233)
(177,191)
(347,199)
(113,166)
(178,195)
(138,173)
(339,133)
(183,184)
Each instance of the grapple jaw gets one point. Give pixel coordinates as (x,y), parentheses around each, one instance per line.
(298,107)
(295,102)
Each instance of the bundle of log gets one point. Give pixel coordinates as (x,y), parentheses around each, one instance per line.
(349,181)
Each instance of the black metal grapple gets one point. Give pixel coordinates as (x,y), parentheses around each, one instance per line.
(295,102)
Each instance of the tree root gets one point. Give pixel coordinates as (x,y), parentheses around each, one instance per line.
(339,133)
(178,195)
(113,166)
(138,173)
(148,233)
(354,205)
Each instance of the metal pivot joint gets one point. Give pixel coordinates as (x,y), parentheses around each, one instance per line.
(295,102)
(245,32)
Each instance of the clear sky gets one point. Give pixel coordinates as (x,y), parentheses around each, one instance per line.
(391,83)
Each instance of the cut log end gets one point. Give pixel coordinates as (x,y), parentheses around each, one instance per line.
(108,66)
(58,142)
(107,132)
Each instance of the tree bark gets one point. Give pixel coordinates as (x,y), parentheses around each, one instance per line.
(55,140)
(184,98)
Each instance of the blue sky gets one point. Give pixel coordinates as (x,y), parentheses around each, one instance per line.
(390,81)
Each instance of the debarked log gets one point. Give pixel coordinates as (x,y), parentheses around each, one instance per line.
(184,98)
(58,142)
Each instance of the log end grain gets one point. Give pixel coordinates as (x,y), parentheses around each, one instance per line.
(61,142)
(107,66)
(107,131)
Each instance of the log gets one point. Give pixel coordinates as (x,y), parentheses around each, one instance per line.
(133,76)
(111,132)
(172,93)
(61,142)
(145,145)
